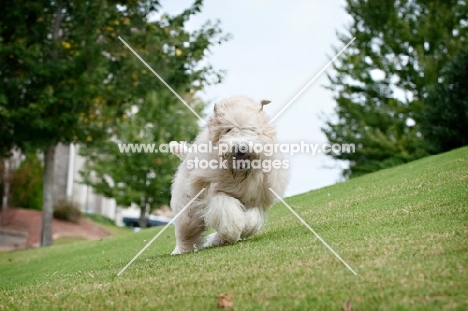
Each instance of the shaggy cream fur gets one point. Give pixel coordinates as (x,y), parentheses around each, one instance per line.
(236,198)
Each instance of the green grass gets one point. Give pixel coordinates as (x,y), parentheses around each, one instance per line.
(68,239)
(404,230)
(108,224)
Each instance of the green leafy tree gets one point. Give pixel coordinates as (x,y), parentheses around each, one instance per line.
(445,125)
(381,82)
(52,67)
(66,77)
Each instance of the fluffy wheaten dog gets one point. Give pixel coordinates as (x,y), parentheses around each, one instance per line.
(236,176)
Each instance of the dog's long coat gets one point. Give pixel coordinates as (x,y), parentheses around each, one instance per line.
(236,199)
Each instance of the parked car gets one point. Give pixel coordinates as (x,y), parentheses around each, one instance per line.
(151,221)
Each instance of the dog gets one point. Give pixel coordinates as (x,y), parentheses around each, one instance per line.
(237,183)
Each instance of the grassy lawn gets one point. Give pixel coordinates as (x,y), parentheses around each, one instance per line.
(68,239)
(107,224)
(403,230)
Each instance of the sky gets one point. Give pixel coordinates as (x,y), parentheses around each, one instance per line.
(276,48)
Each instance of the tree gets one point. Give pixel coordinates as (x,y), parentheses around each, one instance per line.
(63,69)
(445,125)
(381,82)
(51,68)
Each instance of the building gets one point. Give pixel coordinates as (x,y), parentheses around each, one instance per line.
(68,184)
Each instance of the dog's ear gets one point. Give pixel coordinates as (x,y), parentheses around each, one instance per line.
(264,102)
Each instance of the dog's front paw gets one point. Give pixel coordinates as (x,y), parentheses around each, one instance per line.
(179,251)
(176,251)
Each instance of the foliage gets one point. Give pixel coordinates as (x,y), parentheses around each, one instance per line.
(26,186)
(381,82)
(67,210)
(52,70)
(403,230)
(54,59)
(69,66)
(445,125)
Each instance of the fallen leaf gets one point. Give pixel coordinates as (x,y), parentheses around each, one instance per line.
(225,301)
(347,306)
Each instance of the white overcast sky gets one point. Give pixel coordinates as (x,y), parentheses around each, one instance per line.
(277,47)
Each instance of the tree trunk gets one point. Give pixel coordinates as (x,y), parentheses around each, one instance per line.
(49,155)
(61,163)
(6,187)
(142,221)
(48,195)
(6,183)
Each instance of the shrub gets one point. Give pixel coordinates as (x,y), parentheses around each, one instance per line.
(26,185)
(67,210)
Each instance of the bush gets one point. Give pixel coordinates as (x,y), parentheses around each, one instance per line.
(67,210)
(26,185)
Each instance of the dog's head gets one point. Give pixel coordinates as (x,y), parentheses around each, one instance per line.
(239,128)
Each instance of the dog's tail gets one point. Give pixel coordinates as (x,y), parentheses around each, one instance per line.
(179,148)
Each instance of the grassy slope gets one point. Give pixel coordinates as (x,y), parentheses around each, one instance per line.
(107,224)
(404,230)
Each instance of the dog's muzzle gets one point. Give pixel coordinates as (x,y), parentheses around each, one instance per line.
(241,151)
(239,160)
